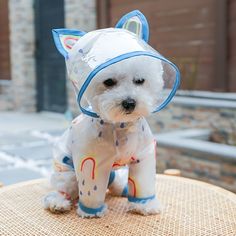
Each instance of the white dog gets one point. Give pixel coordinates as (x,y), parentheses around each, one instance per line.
(119,78)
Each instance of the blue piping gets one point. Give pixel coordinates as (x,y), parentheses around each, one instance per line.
(125,191)
(112,177)
(92,211)
(68,161)
(118,59)
(140,200)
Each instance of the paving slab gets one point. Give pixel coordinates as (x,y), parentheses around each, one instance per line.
(17,139)
(26,141)
(15,122)
(39,152)
(11,176)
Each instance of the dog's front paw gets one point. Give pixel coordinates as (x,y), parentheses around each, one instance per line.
(56,203)
(86,212)
(144,206)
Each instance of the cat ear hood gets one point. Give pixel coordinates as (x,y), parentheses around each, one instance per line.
(87,54)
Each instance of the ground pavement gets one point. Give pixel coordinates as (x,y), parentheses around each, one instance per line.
(26,141)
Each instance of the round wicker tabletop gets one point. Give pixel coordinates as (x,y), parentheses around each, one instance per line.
(190,208)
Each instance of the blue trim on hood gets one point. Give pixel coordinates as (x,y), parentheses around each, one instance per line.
(121,58)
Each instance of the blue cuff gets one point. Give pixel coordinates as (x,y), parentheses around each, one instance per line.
(92,211)
(112,177)
(125,191)
(140,200)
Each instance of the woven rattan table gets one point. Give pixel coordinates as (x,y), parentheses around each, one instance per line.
(191,208)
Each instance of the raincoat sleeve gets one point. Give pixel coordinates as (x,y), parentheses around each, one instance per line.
(64,179)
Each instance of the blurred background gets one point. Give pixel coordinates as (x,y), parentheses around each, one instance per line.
(196,133)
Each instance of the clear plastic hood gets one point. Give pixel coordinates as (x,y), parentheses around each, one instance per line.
(92,53)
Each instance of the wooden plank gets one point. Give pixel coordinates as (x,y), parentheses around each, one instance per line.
(4,42)
(103,16)
(160,5)
(184,35)
(221,81)
(232,45)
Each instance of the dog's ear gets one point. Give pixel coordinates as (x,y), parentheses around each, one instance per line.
(135,22)
(65,39)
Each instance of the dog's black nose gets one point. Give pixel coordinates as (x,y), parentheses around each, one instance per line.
(129,105)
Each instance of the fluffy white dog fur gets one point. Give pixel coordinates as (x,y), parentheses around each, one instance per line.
(107,102)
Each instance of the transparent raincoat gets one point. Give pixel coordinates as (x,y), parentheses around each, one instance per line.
(88,152)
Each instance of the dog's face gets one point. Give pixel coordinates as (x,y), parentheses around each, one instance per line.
(127,90)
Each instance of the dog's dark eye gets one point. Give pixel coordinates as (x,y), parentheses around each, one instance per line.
(110,82)
(139,81)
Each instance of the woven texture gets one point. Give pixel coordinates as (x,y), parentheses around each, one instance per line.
(191,208)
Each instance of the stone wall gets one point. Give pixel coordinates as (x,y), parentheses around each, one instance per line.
(208,168)
(78,15)
(217,115)
(216,112)
(6,100)
(19,92)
